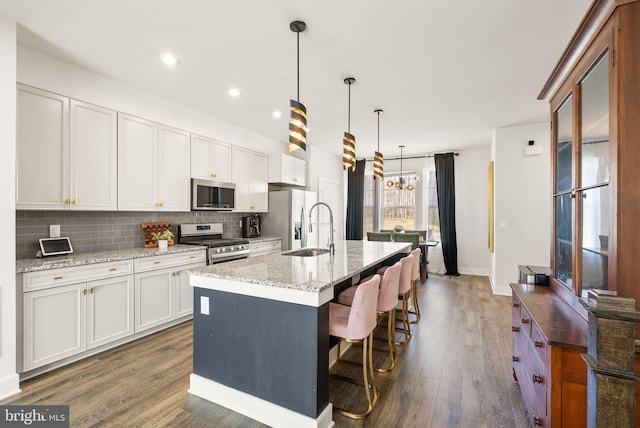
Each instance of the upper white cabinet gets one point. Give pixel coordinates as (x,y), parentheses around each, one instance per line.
(153,166)
(285,169)
(210,159)
(94,157)
(250,174)
(42,169)
(67,153)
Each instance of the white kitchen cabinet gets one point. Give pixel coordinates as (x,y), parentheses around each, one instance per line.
(67,153)
(286,169)
(250,174)
(183,302)
(262,248)
(153,166)
(154,299)
(162,291)
(94,157)
(69,310)
(54,324)
(210,159)
(42,167)
(109,310)
(174,162)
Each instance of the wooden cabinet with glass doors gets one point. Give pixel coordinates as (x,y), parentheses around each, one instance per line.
(594,93)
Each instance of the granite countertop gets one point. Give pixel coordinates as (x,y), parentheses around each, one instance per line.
(69,260)
(310,274)
(264,239)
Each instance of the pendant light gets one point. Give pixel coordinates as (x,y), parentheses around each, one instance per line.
(378,160)
(298,121)
(349,141)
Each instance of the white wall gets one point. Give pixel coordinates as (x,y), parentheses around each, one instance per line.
(472,211)
(9,382)
(52,74)
(323,164)
(522,203)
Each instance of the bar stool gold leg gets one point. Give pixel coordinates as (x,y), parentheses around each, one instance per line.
(416,306)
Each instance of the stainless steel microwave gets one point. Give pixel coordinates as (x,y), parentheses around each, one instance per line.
(212,195)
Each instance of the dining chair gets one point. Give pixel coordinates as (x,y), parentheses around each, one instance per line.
(414,238)
(378,236)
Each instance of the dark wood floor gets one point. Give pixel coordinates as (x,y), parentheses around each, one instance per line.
(455,372)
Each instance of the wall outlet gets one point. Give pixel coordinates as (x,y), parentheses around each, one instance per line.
(204,305)
(54,231)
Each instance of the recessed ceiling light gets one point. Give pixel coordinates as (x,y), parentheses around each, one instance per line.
(277,114)
(169,59)
(234,92)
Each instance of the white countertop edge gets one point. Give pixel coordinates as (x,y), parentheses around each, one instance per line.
(256,408)
(289,295)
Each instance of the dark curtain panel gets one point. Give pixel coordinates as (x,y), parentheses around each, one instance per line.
(355,201)
(445,183)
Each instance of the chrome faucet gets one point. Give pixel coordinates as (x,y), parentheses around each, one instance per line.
(332,246)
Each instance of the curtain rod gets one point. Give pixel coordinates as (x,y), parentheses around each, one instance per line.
(416,157)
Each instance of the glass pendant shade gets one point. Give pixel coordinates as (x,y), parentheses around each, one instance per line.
(297,126)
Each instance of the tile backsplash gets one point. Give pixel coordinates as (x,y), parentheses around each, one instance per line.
(92,231)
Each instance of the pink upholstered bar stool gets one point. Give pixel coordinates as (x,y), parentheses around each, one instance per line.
(355,324)
(404,292)
(415,274)
(387,302)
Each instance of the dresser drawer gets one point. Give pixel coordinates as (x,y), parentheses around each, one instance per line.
(73,275)
(160,262)
(525,320)
(539,344)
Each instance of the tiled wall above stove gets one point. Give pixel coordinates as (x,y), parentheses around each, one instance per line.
(92,231)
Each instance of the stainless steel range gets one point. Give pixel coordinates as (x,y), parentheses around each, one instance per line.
(219,249)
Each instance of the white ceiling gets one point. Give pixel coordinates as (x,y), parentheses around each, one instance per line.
(446,73)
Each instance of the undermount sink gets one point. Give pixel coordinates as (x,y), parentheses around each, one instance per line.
(306,252)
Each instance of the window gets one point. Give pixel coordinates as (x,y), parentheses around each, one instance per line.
(399,204)
(433,215)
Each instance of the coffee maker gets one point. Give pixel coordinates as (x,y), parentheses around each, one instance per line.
(251,226)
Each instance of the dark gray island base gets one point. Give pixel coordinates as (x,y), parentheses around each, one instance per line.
(261,330)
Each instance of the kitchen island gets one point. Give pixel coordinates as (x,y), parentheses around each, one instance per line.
(261,330)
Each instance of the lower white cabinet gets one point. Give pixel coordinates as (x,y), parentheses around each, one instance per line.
(262,248)
(164,294)
(70,311)
(63,321)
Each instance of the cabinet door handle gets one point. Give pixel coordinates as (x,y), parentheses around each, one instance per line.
(91,290)
(67,201)
(75,201)
(515,359)
(56,278)
(156,263)
(113,269)
(515,328)
(84,291)
(516,304)
(537,378)
(525,321)
(537,421)
(538,344)
(213,174)
(192,257)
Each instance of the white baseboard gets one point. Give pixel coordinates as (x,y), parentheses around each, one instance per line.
(500,291)
(474,271)
(256,408)
(9,386)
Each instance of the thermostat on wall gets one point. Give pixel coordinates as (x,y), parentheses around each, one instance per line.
(55,246)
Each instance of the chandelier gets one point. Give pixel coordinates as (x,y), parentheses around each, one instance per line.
(403,182)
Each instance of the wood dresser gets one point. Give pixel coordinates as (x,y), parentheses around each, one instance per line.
(548,338)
